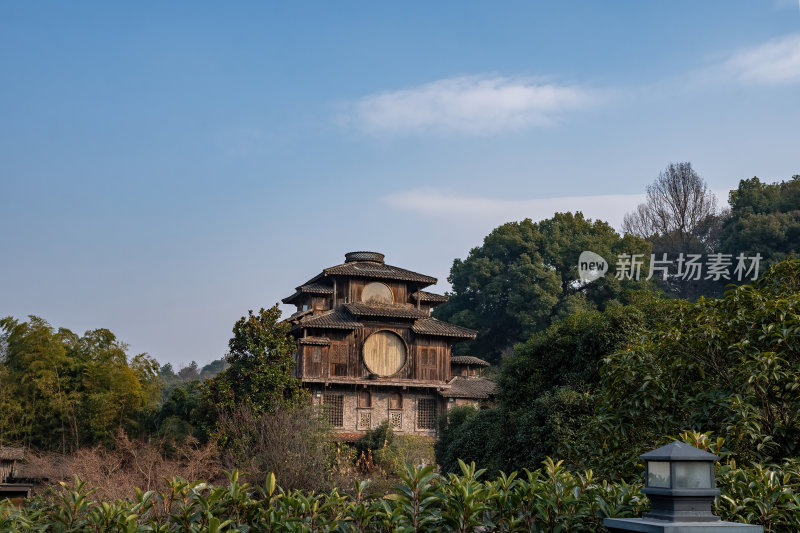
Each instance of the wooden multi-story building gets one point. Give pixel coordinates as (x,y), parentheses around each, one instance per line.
(369,350)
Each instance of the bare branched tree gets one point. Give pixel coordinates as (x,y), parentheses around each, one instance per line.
(679,217)
(294,443)
(679,205)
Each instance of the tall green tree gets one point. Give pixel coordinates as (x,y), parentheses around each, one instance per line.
(525,275)
(260,360)
(36,376)
(765,219)
(114,389)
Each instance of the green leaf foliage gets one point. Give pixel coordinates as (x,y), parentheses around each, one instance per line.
(260,368)
(728,365)
(765,219)
(525,276)
(549,499)
(547,391)
(60,391)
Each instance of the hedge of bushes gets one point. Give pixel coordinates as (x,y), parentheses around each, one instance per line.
(550,499)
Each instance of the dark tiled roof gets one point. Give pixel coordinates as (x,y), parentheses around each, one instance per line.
(393,311)
(312,288)
(294,317)
(469,387)
(467,360)
(425,296)
(333,319)
(431,326)
(316,288)
(11,454)
(319,341)
(370,269)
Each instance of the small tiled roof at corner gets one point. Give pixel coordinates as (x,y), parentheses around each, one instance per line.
(333,319)
(294,317)
(431,326)
(425,296)
(391,311)
(316,288)
(469,387)
(467,360)
(313,288)
(370,269)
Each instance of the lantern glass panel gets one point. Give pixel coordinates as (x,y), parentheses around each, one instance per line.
(693,475)
(658,474)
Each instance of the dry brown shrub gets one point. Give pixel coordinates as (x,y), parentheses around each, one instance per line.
(293,443)
(130,464)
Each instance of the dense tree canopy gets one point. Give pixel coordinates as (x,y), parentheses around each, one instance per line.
(546,390)
(598,388)
(765,219)
(60,391)
(729,365)
(525,275)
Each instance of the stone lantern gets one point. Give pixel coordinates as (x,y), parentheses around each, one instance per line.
(679,481)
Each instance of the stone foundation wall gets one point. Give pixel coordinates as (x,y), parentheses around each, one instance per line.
(359,420)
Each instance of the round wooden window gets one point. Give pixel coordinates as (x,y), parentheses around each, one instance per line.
(377,292)
(384,353)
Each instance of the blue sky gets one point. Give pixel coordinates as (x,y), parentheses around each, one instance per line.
(166,167)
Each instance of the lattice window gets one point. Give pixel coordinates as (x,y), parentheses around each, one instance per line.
(426,413)
(396,420)
(316,354)
(333,407)
(338,357)
(364,419)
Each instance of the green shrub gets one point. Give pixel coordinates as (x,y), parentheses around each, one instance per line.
(550,499)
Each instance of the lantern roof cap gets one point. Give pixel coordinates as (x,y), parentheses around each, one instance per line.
(678,451)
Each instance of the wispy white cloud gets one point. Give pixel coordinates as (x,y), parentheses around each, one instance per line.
(495,211)
(489,211)
(472,105)
(775,62)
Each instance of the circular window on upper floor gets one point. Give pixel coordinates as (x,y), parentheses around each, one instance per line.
(377,292)
(384,353)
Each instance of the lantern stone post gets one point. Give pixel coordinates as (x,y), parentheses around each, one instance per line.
(679,481)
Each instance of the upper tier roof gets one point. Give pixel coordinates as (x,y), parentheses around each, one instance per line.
(362,265)
(370,269)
